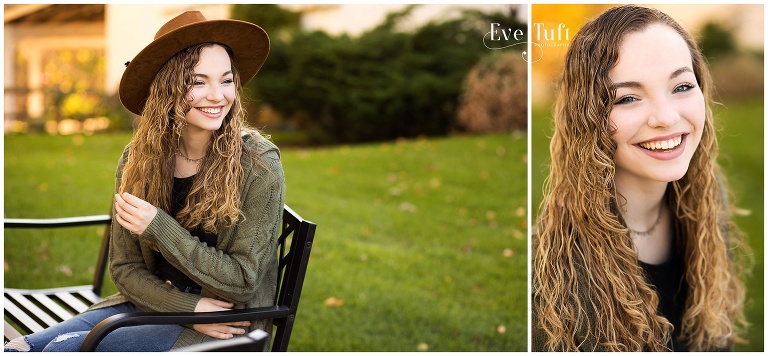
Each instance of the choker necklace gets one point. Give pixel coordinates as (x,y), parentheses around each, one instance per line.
(649,231)
(187,158)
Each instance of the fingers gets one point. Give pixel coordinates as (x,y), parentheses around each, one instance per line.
(126,219)
(231,330)
(221,303)
(133,213)
(239,323)
(120,209)
(219,331)
(120,216)
(125,210)
(131,199)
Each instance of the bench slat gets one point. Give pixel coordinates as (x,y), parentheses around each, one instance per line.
(10,332)
(90,296)
(33,309)
(19,315)
(72,301)
(52,306)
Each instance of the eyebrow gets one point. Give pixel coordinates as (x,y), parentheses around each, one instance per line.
(679,71)
(632,84)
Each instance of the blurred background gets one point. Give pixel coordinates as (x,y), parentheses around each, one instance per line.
(402,136)
(336,73)
(731,38)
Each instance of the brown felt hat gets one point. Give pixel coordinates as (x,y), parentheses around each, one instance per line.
(249,44)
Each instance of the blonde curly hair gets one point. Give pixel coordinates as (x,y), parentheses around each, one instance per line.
(583,262)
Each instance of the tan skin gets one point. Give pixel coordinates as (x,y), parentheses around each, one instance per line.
(211,98)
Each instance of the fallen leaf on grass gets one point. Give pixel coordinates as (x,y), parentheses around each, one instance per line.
(435,183)
(405,206)
(333,302)
(508,252)
(422,346)
(65,270)
(517,234)
(742,212)
(501,329)
(6,266)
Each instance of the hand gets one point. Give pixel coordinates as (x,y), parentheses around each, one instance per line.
(133,213)
(219,331)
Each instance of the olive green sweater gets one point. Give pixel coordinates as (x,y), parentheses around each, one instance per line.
(242,269)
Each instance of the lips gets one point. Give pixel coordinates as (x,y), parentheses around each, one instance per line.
(661,145)
(664,148)
(211,110)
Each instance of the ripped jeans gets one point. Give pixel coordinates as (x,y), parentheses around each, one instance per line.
(68,335)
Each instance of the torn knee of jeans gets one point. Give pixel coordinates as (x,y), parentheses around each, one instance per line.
(66,336)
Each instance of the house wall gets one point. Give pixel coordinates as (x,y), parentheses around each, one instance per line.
(31,43)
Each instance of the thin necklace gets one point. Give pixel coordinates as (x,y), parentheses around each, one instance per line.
(187,158)
(649,231)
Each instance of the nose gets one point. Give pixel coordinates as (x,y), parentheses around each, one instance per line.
(215,94)
(663,113)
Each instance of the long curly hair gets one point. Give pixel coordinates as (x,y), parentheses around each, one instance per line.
(214,196)
(587,284)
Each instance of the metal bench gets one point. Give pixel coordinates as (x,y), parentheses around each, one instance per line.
(33,310)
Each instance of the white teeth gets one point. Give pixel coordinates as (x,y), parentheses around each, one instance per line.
(211,110)
(662,145)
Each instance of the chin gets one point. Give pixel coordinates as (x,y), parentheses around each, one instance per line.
(671,176)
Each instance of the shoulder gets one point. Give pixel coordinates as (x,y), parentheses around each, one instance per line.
(259,147)
(261,158)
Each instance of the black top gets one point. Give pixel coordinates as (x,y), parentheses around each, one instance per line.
(668,279)
(181,187)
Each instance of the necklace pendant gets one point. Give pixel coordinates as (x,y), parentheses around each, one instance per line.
(649,231)
(187,158)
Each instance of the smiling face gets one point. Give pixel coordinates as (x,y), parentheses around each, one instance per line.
(658,111)
(213,91)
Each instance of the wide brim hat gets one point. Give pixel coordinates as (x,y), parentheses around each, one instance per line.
(249,44)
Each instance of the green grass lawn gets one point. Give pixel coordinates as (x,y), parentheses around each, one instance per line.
(421,244)
(741,158)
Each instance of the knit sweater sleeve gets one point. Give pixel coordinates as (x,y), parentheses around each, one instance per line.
(234,270)
(132,275)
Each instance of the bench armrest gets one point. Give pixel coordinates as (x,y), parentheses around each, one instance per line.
(106,326)
(57,222)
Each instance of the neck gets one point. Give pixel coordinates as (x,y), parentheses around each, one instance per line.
(644,199)
(194,144)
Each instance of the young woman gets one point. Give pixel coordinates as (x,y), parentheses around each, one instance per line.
(199,196)
(633,239)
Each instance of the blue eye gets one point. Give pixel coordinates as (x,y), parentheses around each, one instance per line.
(683,88)
(625,100)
